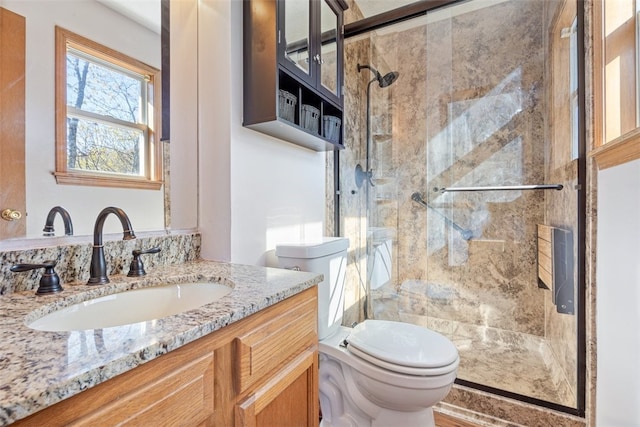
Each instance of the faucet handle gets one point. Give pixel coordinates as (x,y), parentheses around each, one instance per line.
(136,268)
(49,282)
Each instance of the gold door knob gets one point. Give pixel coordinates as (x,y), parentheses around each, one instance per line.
(11,215)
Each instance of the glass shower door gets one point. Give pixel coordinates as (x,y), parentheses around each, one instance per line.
(450,235)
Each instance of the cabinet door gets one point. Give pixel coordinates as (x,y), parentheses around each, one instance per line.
(295,48)
(330,48)
(289,398)
(12,124)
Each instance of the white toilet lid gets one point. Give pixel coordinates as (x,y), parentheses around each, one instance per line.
(409,370)
(402,344)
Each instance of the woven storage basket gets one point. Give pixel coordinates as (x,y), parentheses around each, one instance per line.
(287,105)
(332,128)
(310,118)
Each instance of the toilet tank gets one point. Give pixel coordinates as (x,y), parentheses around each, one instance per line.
(328,257)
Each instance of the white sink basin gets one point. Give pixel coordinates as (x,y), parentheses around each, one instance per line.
(133,306)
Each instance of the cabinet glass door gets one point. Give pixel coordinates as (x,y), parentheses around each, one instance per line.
(329,63)
(296,33)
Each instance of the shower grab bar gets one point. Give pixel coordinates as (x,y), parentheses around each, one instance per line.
(465,233)
(503,188)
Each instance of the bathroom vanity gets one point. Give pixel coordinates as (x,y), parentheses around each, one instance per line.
(248,359)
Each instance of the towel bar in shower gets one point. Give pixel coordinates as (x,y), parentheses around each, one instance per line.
(502,188)
(465,233)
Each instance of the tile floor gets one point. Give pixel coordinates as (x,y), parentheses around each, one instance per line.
(515,362)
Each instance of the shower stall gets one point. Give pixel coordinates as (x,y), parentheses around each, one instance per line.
(460,188)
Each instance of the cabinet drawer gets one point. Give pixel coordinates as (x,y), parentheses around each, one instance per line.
(182,398)
(174,390)
(265,348)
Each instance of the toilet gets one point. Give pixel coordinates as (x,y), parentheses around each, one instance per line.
(378,373)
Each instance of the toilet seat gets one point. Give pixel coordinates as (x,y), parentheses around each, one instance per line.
(334,347)
(403,348)
(418,372)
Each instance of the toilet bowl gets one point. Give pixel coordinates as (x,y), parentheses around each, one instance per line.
(402,372)
(379,373)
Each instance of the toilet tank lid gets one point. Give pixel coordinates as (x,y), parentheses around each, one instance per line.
(314,249)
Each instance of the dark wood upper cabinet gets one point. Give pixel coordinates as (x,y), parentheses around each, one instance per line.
(293,71)
(165,42)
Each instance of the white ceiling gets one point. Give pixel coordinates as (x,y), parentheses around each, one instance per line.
(147,12)
(144,12)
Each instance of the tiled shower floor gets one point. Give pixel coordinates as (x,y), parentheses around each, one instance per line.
(512,368)
(518,363)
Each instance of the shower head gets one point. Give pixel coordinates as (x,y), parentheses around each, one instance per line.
(388,79)
(383,81)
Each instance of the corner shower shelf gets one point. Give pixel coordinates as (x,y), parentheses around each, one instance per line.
(382,137)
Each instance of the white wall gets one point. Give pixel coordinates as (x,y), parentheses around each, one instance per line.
(144,207)
(255,191)
(618,296)
(245,191)
(183,182)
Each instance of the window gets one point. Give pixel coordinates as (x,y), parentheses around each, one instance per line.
(616,129)
(107,113)
(619,68)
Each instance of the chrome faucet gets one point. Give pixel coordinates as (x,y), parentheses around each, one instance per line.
(48,229)
(98,269)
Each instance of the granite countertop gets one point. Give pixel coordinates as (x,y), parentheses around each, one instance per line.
(39,369)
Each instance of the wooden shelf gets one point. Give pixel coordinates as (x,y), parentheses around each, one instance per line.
(285,130)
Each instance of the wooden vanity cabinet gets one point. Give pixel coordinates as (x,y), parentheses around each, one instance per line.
(260,371)
(259,354)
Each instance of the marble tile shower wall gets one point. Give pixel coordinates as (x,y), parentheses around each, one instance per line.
(74,259)
(476,119)
(353,218)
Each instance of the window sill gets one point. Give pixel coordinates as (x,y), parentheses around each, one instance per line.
(66,178)
(621,150)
